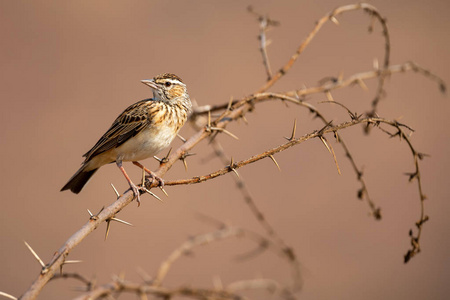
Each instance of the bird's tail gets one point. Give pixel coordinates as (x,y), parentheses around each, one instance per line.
(79,180)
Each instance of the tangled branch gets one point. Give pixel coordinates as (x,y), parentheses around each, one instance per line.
(229,112)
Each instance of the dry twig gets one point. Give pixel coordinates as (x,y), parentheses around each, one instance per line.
(259,216)
(265,23)
(153,287)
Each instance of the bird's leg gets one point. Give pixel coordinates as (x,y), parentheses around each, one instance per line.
(133,187)
(152,175)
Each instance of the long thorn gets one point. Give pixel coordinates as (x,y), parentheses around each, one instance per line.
(293,131)
(225,131)
(72,262)
(330,149)
(232,168)
(67,262)
(230,103)
(95,217)
(209,118)
(325,127)
(185,164)
(164,191)
(167,155)
(325,143)
(115,190)
(329,96)
(275,162)
(181,138)
(152,194)
(7,295)
(362,84)
(35,254)
(108,224)
(121,221)
(376,65)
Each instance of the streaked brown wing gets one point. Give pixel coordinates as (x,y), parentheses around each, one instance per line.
(129,123)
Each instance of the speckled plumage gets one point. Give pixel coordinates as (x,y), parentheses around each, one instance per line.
(140,131)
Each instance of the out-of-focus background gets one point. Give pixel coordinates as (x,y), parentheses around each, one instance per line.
(68,68)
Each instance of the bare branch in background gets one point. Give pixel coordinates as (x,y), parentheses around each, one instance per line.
(265,24)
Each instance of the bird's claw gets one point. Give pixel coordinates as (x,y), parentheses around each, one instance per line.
(152,176)
(137,192)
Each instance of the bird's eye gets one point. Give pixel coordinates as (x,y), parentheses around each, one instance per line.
(168,83)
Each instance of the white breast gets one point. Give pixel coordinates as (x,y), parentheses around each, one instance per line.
(147,143)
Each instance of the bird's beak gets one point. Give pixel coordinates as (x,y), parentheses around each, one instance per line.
(150,82)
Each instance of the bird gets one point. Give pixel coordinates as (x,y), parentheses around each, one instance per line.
(139,132)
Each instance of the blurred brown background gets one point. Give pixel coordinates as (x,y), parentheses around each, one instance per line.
(68,68)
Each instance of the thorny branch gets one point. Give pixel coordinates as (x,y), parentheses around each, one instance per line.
(287,251)
(51,268)
(235,110)
(265,23)
(257,213)
(415,239)
(336,83)
(287,145)
(363,192)
(372,11)
(142,290)
(152,286)
(222,233)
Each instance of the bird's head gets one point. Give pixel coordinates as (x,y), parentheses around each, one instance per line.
(167,87)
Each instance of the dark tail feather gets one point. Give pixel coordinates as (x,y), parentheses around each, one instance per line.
(77,182)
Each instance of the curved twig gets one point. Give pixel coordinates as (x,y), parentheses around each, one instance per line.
(337,84)
(332,17)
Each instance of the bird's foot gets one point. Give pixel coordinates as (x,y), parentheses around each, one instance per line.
(137,192)
(153,177)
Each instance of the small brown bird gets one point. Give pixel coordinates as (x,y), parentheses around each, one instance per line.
(141,131)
